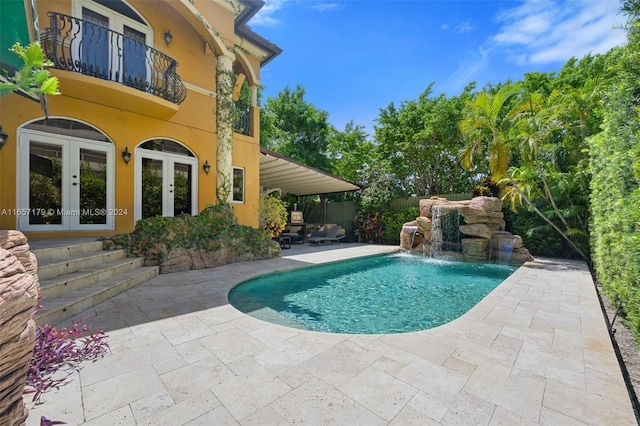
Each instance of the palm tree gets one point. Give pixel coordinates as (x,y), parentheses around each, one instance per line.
(494,122)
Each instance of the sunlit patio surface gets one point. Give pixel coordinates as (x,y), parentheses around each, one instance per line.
(534,351)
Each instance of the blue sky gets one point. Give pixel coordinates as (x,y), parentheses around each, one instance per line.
(355,57)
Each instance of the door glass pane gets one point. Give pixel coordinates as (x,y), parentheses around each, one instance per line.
(93,187)
(135,67)
(95,44)
(45,184)
(182,189)
(151,187)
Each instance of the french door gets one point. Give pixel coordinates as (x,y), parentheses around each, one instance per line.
(165,184)
(65,183)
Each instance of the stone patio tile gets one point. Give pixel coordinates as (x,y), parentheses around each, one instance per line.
(185,411)
(283,357)
(122,417)
(593,342)
(248,323)
(456,364)
(154,326)
(338,364)
(410,417)
(218,315)
(296,376)
(148,406)
(62,404)
(273,335)
(542,339)
(562,366)
(265,416)
(505,392)
(231,345)
(587,407)
(434,379)
(499,316)
(473,328)
(219,416)
(193,329)
(122,390)
(391,352)
(429,406)
(502,417)
(388,365)
(169,364)
(125,359)
(421,345)
(508,345)
(553,418)
(546,321)
(468,409)
(191,380)
(265,388)
(379,392)
(192,351)
(315,342)
(484,356)
(606,384)
(318,403)
(604,361)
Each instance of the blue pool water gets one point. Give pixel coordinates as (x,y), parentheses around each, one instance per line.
(380,294)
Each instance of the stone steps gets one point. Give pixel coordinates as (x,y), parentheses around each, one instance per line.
(76,277)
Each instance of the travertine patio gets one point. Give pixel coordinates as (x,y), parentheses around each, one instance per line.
(535,351)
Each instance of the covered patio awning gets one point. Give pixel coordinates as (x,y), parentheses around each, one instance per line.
(279,172)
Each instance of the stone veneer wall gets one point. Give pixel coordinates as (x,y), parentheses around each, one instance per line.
(483,225)
(19,288)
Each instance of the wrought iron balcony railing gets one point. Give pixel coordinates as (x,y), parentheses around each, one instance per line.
(89,48)
(243,123)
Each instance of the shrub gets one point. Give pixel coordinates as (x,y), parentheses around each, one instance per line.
(55,349)
(273,214)
(215,227)
(392,222)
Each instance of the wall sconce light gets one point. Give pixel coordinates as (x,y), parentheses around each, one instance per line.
(3,137)
(206,167)
(168,37)
(126,155)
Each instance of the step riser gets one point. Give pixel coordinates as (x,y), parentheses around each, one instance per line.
(63,313)
(61,253)
(72,265)
(60,288)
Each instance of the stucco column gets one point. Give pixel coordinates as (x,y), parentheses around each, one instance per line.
(254,95)
(224,117)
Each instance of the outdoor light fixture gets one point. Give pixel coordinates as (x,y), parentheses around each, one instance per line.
(3,137)
(126,155)
(206,167)
(168,38)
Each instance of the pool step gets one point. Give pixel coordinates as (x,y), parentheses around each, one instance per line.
(76,277)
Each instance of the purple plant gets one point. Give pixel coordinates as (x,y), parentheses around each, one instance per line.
(55,349)
(46,422)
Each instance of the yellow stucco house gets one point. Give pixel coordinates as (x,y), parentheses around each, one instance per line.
(158,115)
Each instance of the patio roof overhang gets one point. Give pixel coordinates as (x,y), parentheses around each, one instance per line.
(280,172)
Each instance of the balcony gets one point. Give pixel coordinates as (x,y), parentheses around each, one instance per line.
(88,48)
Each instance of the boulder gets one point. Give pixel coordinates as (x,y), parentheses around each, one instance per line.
(424,224)
(19,290)
(483,230)
(489,204)
(473,215)
(475,249)
(427,204)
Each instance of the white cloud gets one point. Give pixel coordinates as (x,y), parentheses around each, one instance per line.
(542,32)
(324,7)
(464,27)
(265,16)
(473,64)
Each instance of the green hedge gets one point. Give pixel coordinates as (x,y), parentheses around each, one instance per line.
(392,222)
(215,227)
(615,192)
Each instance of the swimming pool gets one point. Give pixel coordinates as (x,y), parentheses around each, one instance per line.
(372,295)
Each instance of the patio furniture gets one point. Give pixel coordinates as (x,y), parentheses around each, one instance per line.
(318,237)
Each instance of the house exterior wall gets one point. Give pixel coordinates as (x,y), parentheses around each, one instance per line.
(130,117)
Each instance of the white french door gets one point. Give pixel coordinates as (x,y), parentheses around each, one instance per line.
(165,184)
(65,183)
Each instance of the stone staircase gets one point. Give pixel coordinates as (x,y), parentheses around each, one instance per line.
(78,276)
